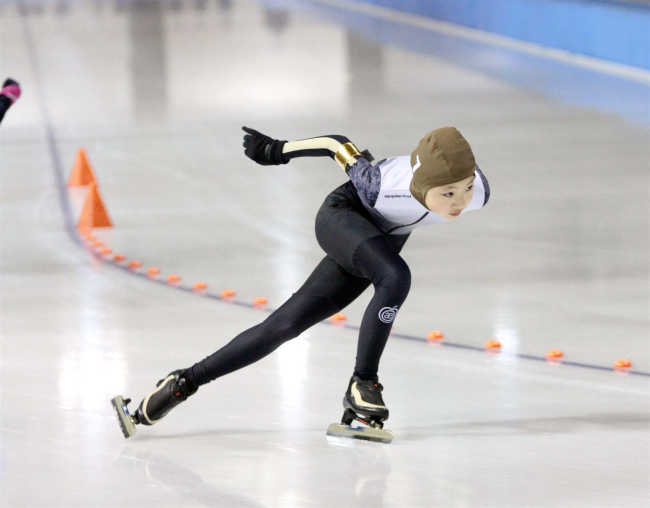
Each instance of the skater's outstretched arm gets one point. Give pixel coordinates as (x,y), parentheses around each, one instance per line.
(268,151)
(339,148)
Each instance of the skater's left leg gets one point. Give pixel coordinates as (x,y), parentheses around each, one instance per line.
(380,262)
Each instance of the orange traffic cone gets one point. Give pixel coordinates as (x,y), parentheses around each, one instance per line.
(94,213)
(81,173)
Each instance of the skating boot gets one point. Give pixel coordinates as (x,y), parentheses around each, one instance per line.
(169,393)
(363,402)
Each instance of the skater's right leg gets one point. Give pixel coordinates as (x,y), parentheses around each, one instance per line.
(328,290)
(169,393)
(296,315)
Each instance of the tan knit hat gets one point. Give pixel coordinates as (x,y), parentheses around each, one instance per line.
(442,157)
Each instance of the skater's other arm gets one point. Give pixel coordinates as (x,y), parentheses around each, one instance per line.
(486,186)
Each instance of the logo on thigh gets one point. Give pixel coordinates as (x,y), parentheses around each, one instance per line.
(387,314)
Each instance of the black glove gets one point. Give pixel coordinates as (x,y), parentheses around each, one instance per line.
(10,81)
(263,149)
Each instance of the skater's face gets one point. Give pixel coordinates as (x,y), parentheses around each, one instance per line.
(449,200)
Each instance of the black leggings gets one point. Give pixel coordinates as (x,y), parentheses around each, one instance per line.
(5,104)
(358,255)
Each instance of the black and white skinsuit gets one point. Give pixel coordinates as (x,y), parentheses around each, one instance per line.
(362,227)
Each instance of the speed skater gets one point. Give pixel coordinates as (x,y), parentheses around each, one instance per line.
(362,226)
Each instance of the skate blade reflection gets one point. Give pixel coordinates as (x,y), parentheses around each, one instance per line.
(124,418)
(363,433)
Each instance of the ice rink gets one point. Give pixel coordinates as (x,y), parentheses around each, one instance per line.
(157,92)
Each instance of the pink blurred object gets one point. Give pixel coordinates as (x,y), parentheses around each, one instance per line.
(11,91)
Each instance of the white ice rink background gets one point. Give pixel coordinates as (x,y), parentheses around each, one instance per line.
(156,92)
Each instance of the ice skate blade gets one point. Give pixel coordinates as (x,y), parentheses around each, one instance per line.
(364,433)
(124,418)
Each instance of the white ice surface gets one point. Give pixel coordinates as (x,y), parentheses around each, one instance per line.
(156,93)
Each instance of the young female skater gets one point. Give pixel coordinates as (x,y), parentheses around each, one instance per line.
(362,226)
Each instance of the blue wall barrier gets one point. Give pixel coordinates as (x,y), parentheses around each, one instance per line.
(614,31)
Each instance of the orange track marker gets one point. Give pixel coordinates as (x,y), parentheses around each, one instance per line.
(81,173)
(97,243)
(554,354)
(153,271)
(260,300)
(173,278)
(119,257)
(94,213)
(106,250)
(492,345)
(227,293)
(338,317)
(90,238)
(623,364)
(435,335)
(135,264)
(200,286)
